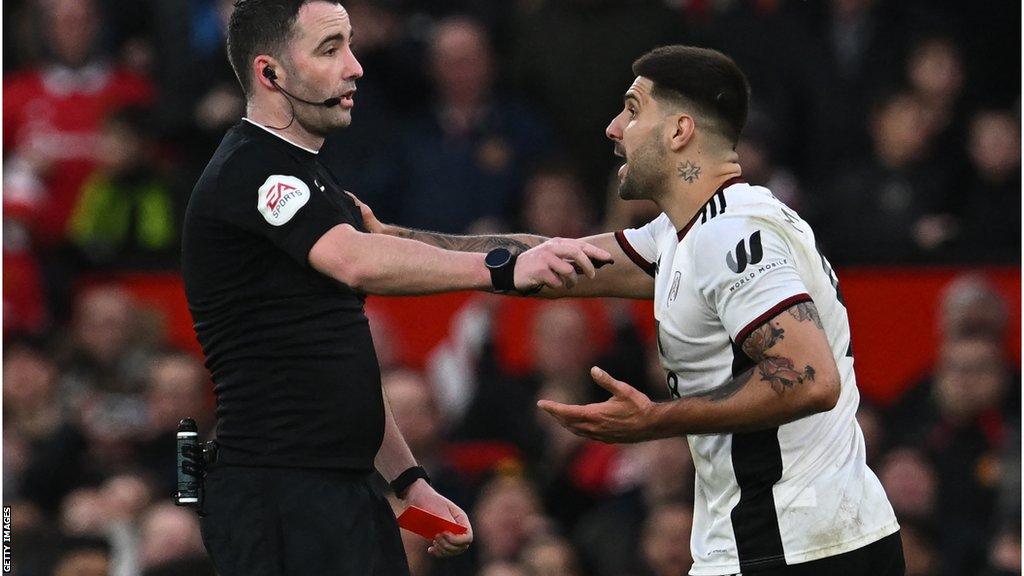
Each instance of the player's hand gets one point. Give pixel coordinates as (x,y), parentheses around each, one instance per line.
(445,544)
(557,263)
(625,417)
(370,221)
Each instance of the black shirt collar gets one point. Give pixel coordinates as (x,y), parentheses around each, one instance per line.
(261,131)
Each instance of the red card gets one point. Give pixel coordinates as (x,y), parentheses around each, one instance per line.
(427,524)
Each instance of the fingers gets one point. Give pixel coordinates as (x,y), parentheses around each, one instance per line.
(583,265)
(605,380)
(564,412)
(448,544)
(598,254)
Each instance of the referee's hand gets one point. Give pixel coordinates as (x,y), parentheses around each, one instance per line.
(422,495)
(557,263)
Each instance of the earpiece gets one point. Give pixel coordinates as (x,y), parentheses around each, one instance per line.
(269,73)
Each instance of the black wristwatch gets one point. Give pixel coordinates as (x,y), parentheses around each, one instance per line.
(502,264)
(400,485)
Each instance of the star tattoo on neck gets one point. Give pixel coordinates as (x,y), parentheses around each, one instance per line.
(689,171)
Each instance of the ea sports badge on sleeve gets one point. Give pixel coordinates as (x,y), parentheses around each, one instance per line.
(281,197)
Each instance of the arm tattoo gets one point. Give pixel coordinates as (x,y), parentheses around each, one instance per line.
(805,311)
(778,371)
(517,245)
(761,339)
(689,171)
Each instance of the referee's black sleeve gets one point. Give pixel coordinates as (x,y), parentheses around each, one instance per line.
(279,200)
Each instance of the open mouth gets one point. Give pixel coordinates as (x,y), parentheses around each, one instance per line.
(625,165)
(347,98)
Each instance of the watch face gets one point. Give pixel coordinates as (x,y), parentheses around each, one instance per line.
(497,258)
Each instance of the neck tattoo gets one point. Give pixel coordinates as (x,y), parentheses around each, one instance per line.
(689,171)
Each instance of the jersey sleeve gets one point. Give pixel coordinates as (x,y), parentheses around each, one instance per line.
(273,198)
(746,272)
(641,244)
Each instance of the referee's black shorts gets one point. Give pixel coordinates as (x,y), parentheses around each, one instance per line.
(881,558)
(298,522)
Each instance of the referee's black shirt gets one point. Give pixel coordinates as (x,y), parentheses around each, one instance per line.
(289,349)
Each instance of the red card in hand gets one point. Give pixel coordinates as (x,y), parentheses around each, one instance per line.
(427,524)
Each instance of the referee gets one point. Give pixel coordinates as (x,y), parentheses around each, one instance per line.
(276,263)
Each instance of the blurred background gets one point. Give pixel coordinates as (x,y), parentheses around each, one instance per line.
(892,126)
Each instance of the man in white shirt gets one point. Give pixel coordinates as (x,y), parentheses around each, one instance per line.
(752,334)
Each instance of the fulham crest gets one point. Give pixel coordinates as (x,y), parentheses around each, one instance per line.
(281,197)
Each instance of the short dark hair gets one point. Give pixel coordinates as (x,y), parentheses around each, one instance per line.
(703,79)
(260,27)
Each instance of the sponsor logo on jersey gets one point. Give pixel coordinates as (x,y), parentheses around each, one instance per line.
(280,197)
(738,263)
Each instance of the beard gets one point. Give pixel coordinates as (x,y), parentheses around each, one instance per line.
(644,176)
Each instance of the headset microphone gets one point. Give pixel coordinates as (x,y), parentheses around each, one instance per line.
(269,74)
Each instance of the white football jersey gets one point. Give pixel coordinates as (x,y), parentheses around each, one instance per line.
(791,494)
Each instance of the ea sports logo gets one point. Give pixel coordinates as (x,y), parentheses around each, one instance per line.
(280,197)
(743,257)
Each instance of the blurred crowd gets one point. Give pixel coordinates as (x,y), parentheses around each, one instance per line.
(89,422)
(892,126)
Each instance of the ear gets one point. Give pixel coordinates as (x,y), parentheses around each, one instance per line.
(681,130)
(262,62)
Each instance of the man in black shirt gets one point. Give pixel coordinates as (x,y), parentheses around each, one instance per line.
(277,263)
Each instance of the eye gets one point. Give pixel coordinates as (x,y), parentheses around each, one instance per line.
(330,51)
(632,111)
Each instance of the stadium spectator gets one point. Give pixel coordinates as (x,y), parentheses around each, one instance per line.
(550,556)
(971,306)
(667,526)
(415,409)
(105,351)
(504,568)
(126,216)
(508,515)
(935,74)
(465,159)
(555,205)
(177,387)
(910,482)
(563,60)
(959,418)
(83,557)
(52,113)
(1005,553)
(760,166)
(993,189)
(895,206)
(920,552)
(655,474)
(169,533)
(43,450)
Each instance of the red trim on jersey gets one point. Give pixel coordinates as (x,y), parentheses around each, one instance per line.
(771,313)
(635,256)
(734,180)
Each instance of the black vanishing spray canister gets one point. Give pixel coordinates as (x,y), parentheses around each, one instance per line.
(188,471)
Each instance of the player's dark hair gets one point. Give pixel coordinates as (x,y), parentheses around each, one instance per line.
(700,78)
(260,27)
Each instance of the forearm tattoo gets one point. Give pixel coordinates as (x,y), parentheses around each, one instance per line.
(484,243)
(689,171)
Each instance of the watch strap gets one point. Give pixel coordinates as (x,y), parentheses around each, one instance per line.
(400,485)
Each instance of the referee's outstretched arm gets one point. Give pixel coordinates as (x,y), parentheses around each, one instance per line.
(614,280)
(382,264)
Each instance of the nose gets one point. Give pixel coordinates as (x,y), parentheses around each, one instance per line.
(614,131)
(353,69)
